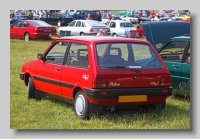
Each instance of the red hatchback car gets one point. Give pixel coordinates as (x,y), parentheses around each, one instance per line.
(94,73)
(31,29)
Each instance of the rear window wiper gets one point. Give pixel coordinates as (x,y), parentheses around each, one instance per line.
(123,67)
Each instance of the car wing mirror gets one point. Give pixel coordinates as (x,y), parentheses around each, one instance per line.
(40,56)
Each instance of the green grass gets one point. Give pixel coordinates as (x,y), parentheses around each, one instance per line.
(51,114)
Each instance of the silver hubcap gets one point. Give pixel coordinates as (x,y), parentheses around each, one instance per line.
(26,37)
(80,104)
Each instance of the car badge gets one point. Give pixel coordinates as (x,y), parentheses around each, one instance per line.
(135,77)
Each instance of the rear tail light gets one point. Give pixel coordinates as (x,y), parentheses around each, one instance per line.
(39,29)
(100,83)
(108,29)
(165,81)
(91,30)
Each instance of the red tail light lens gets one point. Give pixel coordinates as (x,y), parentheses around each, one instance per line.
(91,30)
(109,30)
(100,83)
(165,81)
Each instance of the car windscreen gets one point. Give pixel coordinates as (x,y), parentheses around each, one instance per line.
(39,23)
(126,24)
(126,56)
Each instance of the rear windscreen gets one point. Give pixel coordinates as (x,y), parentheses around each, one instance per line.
(127,55)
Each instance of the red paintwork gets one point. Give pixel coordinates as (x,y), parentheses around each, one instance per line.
(19,32)
(73,75)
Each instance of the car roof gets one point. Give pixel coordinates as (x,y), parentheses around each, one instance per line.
(182,37)
(102,38)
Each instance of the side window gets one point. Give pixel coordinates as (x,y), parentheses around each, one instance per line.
(173,51)
(188,55)
(83,24)
(51,16)
(57,52)
(72,24)
(78,24)
(112,25)
(18,24)
(78,55)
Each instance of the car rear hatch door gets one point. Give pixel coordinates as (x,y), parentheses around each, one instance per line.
(133,78)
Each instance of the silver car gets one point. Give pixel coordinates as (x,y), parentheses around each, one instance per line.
(84,27)
(119,28)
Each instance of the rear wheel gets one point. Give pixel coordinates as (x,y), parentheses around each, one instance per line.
(31,89)
(114,35)
(26,37)
(82,34)
(81,105)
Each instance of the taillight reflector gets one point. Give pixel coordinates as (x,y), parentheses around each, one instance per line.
(103,93)
(165,90)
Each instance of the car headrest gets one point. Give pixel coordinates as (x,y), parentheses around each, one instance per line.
(82,54)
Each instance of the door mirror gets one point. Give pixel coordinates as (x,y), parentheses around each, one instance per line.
(40,56)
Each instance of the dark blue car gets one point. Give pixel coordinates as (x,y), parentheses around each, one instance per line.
(19,17)
(82,14)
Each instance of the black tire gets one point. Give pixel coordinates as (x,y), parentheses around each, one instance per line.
(114,35)
(31,89)
(158,107)
(26,37)
(82,34)
(81,106)
(38,95)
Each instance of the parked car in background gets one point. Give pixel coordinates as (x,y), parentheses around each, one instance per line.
(105,17)
(59,19)
(174,48)
(133,20)
(84,27)
(31,29)
(120,28)
(82,14)
(19,17)
(109,73)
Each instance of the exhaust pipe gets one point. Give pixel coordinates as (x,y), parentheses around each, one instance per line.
(111,108)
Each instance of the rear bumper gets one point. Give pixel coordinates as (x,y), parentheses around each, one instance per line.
(152,96)
(40,35)
(115,93)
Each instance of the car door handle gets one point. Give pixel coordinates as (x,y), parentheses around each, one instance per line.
(175,66)
(57,69)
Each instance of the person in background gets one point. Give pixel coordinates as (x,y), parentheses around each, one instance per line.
(30,15)
(140,14)
(101,32)
(152,14)
(44,15)
(89,17)
(110,17)
(41,15)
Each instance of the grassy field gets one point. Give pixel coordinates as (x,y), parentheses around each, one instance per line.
(53,114)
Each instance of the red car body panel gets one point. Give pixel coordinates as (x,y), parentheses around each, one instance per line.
(64,80)
(19,32)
